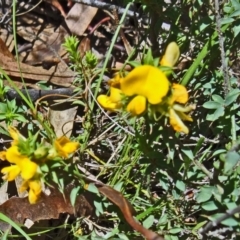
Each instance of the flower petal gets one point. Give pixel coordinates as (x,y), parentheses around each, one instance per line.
(35,189)
(15,134)
(3,155)
(147,81)
(177,123)
(28,168)
(179,93)
(32,197)
(65,147)
(115,82)
(112,102)
(13,155)
(137,105)
(36,186)
(11,172)
(171,55)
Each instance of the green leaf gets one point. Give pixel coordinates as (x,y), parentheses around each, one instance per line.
(217,114)
(236,30)
(211,105)
(199,225)
(156,62)
(163,220)
(209,206)
(231,222)
(181,185)
(226,20)
(148,58)
(204,194)
(92,188)
(175,230)
(222,178)
(217,98)
(13,224)
(231,160)
(134,63)
(74,194)
(99,207)
(231,97)
(122,236)
(235,14)
(148,222)
(188,153)
(118,186)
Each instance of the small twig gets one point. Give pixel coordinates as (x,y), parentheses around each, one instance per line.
(36,94)
(228,214)
(106,6)
(221,45)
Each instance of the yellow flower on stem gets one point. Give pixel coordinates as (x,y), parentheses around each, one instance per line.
(112,102)
(144,84)
(171,55)
(27,167)
(64,146)
(28,170)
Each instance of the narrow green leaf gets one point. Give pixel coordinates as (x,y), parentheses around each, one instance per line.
(74,194)
(148,222)
(13,224)
(211,105)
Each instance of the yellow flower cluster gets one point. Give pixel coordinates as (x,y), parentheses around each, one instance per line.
(147,88)
(28,165)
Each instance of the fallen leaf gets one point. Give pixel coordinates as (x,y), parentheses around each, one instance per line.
(128,211)
(62,117)
(48,207)
(79,18)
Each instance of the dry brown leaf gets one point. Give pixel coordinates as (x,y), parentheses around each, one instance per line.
(128,211)
(48,207)
(79,18)
(53,76)
(62,118)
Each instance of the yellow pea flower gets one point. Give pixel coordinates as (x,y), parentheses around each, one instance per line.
(11,172)
(64,146)
(35,189)
(171,55)
(179,94)
(137,105)
(27,167)
(146,81)
(112,102)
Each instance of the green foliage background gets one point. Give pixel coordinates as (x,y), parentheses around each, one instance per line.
(177,183)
